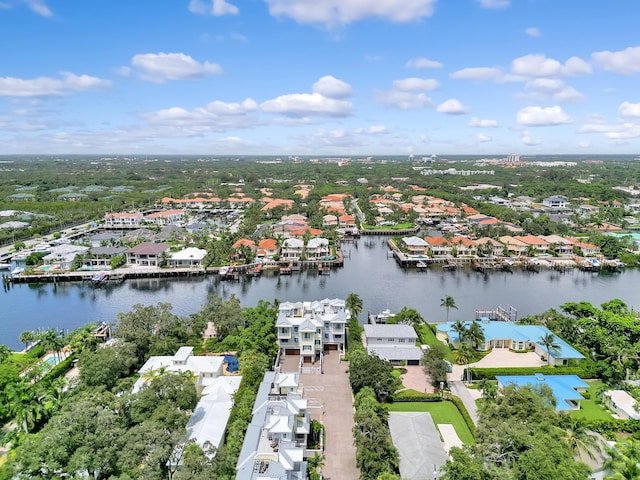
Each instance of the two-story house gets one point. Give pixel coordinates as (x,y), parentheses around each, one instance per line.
(146,254)
(292,249)
(318,248)
(123,220)
(393,342)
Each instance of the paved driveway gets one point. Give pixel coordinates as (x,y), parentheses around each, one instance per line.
(331,394)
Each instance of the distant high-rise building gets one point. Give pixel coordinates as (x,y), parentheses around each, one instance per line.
(513,157)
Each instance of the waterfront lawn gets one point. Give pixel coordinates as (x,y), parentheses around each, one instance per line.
(590,409)
(441,412)
(427,337)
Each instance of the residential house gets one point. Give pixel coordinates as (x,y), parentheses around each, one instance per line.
(166,217)
(123,220)
(275,442)
(493,246)
(308,328)
(555,202)
(64,255)
(514,245)
(499,334)
(415,245)
(292,249)
(105,238)
(147,254)
(139,234)
(208,423)
(464,247)
(540,244)
(99,258)
(347,221)
(329,220)
(267,248)
(588,249)
(188,258)
(565,388)
(317,248)
(439,246)
(393,342)
(241,247)
(561,246)
(621,403)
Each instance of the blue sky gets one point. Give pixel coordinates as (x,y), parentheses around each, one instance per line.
(320,77)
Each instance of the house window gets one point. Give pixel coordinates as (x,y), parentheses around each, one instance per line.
(284,340)
(306,348)
(295,329)
(317,342)
(295,340)
(401,340)
(326,335)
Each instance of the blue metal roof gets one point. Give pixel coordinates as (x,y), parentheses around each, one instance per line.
(497,330)
(563,386)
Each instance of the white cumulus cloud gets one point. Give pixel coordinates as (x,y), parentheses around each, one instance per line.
(300,105)
(494,4)
(403,100)
(554,88)
(216,8)
(453,106)
(477,73)
(423,62)
(332,13)
(332,87)
(160,67)
(476,122)
(47,86)
(416,84)
(624,62)
(540,117)
(482,138)
(528,140)
(536,65)
(627,109)
(533,32)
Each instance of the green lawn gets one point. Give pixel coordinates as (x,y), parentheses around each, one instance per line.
(589,409)
(441,412)
(427,337)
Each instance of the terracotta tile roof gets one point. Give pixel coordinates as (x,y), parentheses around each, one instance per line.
(268,244)
(244,242)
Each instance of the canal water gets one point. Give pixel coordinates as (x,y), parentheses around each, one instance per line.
(368,271)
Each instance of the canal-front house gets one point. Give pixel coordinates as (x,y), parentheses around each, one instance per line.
(415,245)
(515,337)
(146,254)
(318,248)
(309,328)
(292,249)
(188,258)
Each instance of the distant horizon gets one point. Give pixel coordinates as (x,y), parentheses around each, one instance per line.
(344,78)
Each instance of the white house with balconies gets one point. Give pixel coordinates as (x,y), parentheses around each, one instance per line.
(309,328)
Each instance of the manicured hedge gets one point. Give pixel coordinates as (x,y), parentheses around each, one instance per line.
(463,411)
(490,373)
(608,427)
(416,397)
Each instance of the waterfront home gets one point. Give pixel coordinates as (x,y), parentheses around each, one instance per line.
(493,247)
(147,254)
(393,342)
(123,220)
(465,247)
(292,249)
(244,244)
(566,388)
(415,245)
(317,248)
(275,443)
(166,217)
(308,328)
(621,403)
(439,246)
(64,255)
(99,258)
(208,422)
(267,248)
(347,221)
(188,258)
(588,249)
(540,244)
(106,238)
(515,337)
(561,246)
(514,245)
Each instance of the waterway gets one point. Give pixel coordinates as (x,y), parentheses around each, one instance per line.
(368,271)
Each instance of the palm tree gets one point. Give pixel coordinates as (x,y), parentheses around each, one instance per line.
(448,303)
(488,388)
(461,329)
(27,337)
(475,334)
(464,356)
(581,440)
(550,344)
(623,463)
(24,405)
(52,340)
(354,305)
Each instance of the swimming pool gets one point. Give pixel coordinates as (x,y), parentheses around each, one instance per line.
(52,360)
